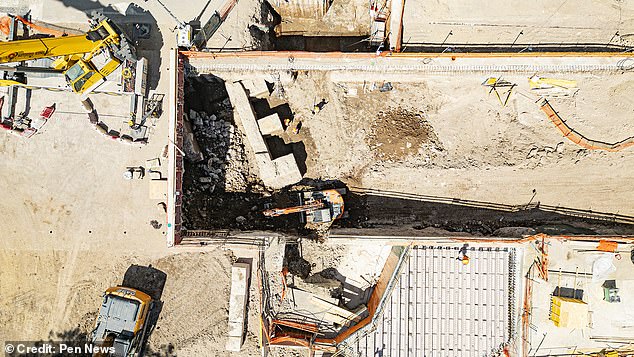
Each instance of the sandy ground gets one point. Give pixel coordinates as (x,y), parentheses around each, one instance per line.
(72,225)
(480,150)
(500,22)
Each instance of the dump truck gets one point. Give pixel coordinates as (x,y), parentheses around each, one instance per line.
(122,323)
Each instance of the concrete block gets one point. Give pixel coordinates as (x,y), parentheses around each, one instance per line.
(233,344)
(274,255)
(270,125)
(256,88)
(245,117)
(240,273)
(190,145)
(286,172)
(277,173)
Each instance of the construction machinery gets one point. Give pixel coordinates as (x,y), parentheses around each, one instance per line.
(85,60)
(122,324)
(314,206)
(191,35)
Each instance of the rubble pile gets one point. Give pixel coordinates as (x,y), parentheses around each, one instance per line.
(224,165)
(219,190)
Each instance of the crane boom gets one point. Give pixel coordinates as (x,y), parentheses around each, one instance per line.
(75,54)
(26,50)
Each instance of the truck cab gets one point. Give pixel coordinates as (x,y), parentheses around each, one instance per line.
(122,320)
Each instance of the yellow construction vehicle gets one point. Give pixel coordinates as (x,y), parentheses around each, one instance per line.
(122,324)
(314,206)
(85,60)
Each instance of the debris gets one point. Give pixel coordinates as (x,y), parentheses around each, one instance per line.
(386,87)
(190,145)
(537,82)
(131,171)
(155,224)
(610,291)
(603,267)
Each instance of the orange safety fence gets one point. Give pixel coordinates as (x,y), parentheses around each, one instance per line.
(527,310)
(579,139)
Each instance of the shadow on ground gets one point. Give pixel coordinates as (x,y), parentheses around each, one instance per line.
(375,210)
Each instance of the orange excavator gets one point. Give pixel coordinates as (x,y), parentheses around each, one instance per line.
(314,206)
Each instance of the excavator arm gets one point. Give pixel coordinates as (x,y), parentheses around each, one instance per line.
(275,212)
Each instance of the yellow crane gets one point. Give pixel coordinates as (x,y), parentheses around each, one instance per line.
(85,60)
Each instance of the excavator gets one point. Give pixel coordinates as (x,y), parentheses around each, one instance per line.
(314,206)
(85,60)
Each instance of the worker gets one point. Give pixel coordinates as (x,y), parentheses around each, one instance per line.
(297,128)
(462,254)
(319,106)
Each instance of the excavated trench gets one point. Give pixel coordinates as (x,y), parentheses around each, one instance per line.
(221,192)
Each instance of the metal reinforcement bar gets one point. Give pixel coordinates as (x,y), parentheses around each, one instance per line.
(405,240)
(218,237)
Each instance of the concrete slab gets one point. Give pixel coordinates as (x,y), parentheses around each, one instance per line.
(256,88)
(527,23)
(158,189)
(245,118)
(286,172)
(270,125)
(277,173)
(237,305)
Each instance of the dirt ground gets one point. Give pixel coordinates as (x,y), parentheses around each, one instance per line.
(72,226)
(442,140)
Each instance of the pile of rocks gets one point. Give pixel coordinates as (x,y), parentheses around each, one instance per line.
(224,161)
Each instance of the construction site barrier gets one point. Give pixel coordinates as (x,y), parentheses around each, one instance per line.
(578,138)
